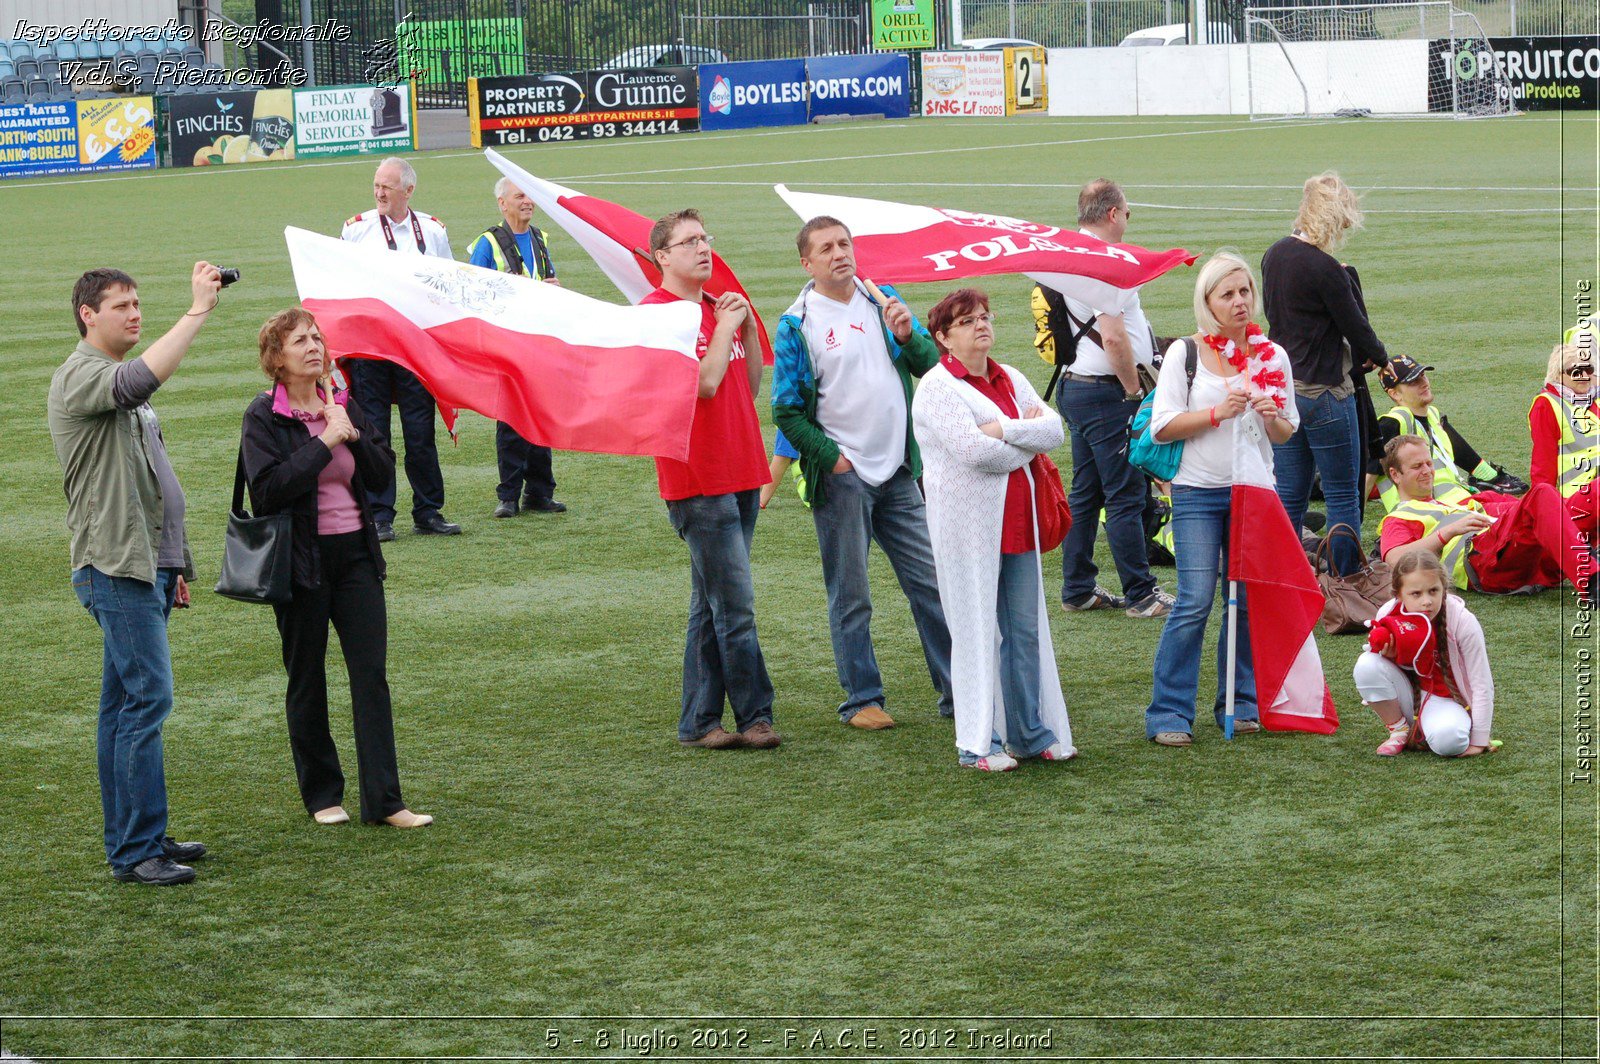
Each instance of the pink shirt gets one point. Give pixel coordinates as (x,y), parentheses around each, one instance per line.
(337,509)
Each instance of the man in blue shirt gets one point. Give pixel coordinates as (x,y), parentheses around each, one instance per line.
(515,246)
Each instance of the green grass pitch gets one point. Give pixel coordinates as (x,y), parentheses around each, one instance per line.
(1283,895)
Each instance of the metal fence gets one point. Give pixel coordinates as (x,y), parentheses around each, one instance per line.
(1068,23)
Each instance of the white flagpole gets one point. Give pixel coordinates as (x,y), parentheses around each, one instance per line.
(1233,654)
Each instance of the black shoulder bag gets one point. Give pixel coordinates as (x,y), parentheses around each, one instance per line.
(256,555)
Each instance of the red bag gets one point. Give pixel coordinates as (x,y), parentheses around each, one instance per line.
(1050,503)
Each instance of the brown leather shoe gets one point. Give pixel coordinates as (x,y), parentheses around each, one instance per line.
(871,718)
(717,739)
(761,736)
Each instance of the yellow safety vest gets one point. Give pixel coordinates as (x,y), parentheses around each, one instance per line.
(1433,516)
(1578,453)
(1447,486)
(529,269)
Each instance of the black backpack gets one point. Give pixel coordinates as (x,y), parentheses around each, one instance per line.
(1056,332)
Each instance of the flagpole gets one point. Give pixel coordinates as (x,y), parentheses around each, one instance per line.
(1233,654)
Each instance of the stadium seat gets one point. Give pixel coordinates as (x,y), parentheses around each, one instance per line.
(13,90)
(39,90)
(195,58)
(27,68)
(68,50)
(60,93)
(7,68)
(50,68)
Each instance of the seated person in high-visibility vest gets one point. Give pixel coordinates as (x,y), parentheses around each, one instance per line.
(1501,547)
(1456,463)
(1566,433)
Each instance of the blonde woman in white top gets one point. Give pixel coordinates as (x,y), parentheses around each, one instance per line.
(1240,403)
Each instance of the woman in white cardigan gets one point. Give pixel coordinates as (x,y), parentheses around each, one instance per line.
(979,424)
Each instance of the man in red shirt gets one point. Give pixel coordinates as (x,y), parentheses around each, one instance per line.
(712,500)
(1501,548)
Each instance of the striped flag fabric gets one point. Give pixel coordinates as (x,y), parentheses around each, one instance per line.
(564,370)
(905,243)
(1264,554)
(618,239)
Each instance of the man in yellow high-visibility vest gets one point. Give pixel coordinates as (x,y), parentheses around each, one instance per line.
(1459,471)
(1507,546)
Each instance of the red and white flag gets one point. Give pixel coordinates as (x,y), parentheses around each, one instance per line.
(1285,601)
(617,239)
(906,243)
(564,370)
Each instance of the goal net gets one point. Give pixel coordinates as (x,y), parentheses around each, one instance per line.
(1418,58)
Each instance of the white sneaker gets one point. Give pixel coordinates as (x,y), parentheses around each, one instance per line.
(1059,752)
(993,763)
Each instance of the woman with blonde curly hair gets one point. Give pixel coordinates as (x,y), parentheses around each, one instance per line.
(1318,316)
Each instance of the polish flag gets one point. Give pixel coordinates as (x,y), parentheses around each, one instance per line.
(1264,554)
(617,239)
(564,370)
(905,243)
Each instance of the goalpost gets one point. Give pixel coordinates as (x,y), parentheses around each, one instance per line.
(1408,58)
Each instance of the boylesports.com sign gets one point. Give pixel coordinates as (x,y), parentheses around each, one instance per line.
(791,92)
(1544,73)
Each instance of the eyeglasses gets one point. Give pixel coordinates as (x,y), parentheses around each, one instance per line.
(1579,371)
(693,242)
(971,320)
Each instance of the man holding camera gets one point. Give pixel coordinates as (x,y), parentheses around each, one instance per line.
(376,383)
(130,556)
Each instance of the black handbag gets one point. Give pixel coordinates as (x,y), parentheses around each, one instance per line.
(256,555)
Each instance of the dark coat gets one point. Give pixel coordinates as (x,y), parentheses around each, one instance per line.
(282,461)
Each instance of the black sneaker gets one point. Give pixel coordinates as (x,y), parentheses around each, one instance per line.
(181,852)
(538,505)
(385,531)
(156,872)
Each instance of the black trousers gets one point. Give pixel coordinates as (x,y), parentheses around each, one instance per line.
(351,596)
(524,467)
(377,385)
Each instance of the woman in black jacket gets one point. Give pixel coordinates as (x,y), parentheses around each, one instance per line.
(1318,316)
(308,453)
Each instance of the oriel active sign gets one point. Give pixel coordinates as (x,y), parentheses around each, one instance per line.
(902,25)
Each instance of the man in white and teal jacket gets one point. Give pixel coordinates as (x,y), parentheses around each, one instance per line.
(841,393)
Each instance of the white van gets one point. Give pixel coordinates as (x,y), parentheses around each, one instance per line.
(1177,33)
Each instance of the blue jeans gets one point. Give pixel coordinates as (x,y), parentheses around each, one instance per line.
(1017,613)
(850,516)
(721,655)
(1097,417)
(135,698)
(1327,442)
(1200,536)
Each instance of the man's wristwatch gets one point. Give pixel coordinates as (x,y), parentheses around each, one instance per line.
(1136,394)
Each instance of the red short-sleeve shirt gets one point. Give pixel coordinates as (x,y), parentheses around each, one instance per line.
(726,452)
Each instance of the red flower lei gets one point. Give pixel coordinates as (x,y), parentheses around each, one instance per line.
(1270,381)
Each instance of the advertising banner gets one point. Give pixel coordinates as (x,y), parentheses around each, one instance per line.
(860,85)
(1025,81)
(353,120)
(39,139)
(117,134)
(1546,73)
(448,51)
(585,105)
(231,127)
(742,95)
(902,25)
(968,84)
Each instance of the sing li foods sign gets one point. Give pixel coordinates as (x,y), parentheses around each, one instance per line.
(352,120)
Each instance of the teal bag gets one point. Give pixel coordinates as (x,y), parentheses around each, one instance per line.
(1159,460)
